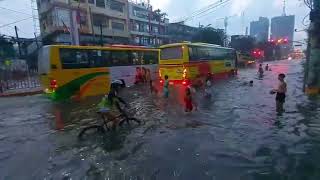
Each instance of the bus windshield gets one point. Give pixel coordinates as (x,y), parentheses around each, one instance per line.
(171,53)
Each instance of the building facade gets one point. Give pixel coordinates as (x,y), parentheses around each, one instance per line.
(179,32)
(84,21)
(282,27)
(147,27)
(260,29)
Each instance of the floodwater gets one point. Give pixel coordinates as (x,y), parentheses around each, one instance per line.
(235,136)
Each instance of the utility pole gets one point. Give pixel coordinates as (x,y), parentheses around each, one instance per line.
(18,40)
(313,61)
(36,39)
(101,35)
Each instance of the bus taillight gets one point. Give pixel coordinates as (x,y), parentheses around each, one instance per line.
(186,82)
(53,84)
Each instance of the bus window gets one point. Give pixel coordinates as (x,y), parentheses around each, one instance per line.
(136,57)
(106,60)
(171,53)
(74,59)
(150,57)
(94,57)
(121,58)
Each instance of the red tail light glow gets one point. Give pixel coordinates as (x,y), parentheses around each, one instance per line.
(53,84)
(161,81)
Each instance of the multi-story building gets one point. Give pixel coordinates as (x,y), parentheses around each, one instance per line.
(260,29)
(147,27)
(282,27)
(179,32)
(97,21)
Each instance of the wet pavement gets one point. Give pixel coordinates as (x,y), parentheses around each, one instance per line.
(236,135)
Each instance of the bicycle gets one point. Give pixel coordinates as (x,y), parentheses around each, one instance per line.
(103,128)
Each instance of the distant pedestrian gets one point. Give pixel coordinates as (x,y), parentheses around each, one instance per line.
(281,93)
(267,67)
(260,71)
(207,89)
(166,87)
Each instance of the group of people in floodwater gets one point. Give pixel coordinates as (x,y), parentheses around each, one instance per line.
(189,103)
(110,103)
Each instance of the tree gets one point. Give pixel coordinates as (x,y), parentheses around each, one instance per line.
(6,47)
(210,35)
(242,43)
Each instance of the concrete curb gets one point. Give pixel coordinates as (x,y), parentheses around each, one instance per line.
(21,93)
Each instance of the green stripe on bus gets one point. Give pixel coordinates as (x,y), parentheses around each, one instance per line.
(71,88)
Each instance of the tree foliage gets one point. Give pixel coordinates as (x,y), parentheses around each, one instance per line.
(210,35)
(243,43)
(6,48)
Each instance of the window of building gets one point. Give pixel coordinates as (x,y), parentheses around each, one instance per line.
(136,26)
(118,26)
(100,20)
(140,13)
(100,3)
(155,29)
(117,6)
(171,53)
(137,39)
(120,58)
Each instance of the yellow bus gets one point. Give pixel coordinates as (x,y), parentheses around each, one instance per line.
(189,63)
(245,59)
(81,71)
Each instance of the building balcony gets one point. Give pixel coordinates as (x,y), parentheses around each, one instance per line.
(152,34)
(132,17)
(110,32)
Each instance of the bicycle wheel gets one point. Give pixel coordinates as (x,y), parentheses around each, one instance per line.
(90,130)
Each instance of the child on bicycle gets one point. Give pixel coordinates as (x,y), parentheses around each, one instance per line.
(110,107)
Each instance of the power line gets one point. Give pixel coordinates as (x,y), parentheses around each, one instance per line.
(204,10)
(15,11)
(199,10)
(15,22)
(214,8)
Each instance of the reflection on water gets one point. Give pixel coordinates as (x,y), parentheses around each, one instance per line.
(237,131)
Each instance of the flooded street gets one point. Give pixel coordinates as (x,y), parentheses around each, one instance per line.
(235,136)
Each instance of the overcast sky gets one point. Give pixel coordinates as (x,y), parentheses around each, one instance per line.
(176,9)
